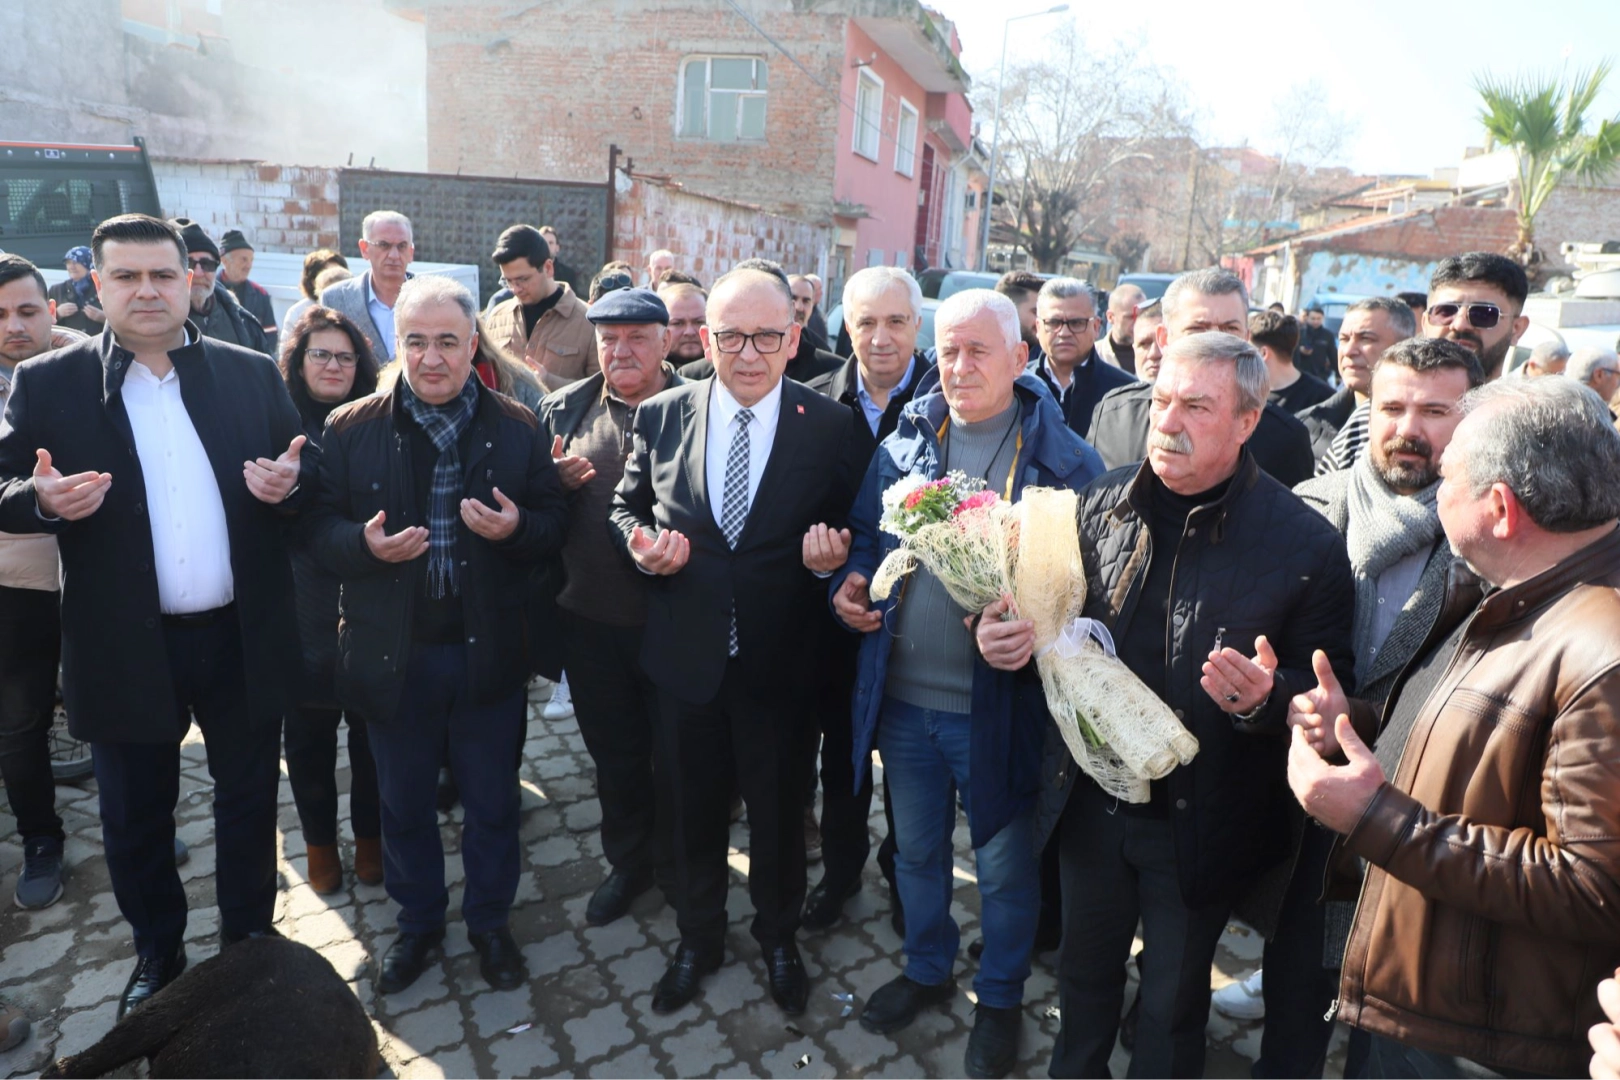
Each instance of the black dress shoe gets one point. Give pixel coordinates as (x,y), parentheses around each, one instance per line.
(152,973)
(613,897)
(500,961)
(406,959)
(992,1049)
(790,986)
(680,981)
(448,794)
(227,940)
(896,1003)
(825,906)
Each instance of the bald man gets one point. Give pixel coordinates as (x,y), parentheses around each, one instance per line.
(1116,347)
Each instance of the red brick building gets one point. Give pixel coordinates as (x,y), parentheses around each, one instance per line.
(849,113)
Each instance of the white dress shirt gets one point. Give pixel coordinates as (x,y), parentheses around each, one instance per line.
(191,545)
(723,409)
(382,314)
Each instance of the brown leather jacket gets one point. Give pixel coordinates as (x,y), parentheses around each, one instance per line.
(562,349)
(1491,908)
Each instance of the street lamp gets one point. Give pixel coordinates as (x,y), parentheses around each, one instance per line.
(995,141)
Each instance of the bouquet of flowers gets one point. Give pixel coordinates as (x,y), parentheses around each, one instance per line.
(980,548)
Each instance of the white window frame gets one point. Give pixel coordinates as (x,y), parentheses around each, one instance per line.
(875,81)
(708,92)
(906,163)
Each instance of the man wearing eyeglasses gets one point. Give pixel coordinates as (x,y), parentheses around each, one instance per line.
(213,308)
(1477,299)
(1066,325)
(368,300)
(730,506)
(544,322)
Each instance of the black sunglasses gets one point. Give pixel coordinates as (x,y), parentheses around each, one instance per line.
(1481,315)
(613,282)
(207,266)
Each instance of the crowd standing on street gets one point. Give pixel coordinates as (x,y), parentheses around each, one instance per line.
(1373,572)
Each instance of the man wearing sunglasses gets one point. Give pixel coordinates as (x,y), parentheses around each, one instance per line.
(1477,299)
(544,322)
(213,308)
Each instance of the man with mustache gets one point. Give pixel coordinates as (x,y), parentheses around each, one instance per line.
(1477,299)
(1384,505)
(1217,583)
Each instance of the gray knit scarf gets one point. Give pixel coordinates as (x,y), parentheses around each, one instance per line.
(1382,528)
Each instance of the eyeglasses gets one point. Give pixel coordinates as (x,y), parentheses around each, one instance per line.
(1073,326)
(323,357)
(732,341)
(382,247)
(1481,315)
(207,266)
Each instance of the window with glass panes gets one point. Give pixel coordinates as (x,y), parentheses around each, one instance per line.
(723,99)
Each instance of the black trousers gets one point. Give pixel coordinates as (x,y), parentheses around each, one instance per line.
(1298,990)
(310,746)
(1119,869)
(761,739)
(617,710)
(846,840)
(140,785)
(30,650)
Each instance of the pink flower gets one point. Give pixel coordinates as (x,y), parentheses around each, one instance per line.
(976,501)
(914,498)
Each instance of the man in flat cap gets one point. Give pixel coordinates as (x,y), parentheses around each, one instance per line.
(603,605)
(235,264)
(214,308)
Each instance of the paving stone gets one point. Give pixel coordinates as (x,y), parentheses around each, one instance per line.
(496,1010)
(637,1061)
(26,958)
(525,1054)
(614,939)
(431,1027)
(598,1032)
(83,1029)
(554,851)
(698,1051)
(554,953)
(93,985)
(430,987)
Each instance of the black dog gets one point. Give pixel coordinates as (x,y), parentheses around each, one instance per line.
(264,1007)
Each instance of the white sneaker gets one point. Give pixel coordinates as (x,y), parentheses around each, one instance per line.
(1241,1000)
(561,705)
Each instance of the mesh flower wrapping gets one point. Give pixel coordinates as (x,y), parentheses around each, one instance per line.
(1119,732)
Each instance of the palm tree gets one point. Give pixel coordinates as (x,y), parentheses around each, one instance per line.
(1543,119)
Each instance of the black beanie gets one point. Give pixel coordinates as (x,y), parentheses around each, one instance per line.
(196,240)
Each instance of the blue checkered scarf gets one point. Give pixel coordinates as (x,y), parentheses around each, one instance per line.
(444,425)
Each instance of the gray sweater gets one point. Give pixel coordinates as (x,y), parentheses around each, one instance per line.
(931,662)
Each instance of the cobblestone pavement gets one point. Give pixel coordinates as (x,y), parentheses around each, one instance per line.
(586,1008)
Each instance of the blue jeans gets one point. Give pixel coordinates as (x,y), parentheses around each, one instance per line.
(926,761)
(484,743)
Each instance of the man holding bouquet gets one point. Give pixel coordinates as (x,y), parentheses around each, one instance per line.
(943,720)
(1192,560)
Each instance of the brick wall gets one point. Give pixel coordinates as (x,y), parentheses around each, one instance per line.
(541,90)
(286,208)
(1574,214)
(1426,235)
(708,235)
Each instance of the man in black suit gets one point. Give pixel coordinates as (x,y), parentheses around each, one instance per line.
(724,506)
(883,311)
(1066,326)
(806,361)
(1195,303)
(164,462)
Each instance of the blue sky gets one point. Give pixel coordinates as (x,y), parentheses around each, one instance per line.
(1401,71)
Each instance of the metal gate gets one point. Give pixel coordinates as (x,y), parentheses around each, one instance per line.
(456,219)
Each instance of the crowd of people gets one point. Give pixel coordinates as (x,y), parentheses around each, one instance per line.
(1375,575)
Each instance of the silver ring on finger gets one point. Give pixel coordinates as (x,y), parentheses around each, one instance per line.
(1232,699)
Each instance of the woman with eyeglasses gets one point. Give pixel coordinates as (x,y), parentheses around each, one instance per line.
(327,361)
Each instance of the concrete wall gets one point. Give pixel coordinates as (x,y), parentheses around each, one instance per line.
(709,235)
(1574,214)
(305,80)
(1365,275)
(542,90)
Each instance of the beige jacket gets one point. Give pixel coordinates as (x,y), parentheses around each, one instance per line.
(562,349)
(29,561)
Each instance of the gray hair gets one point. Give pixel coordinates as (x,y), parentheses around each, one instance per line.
(1117,299)
(1210,281)
(1585,362)
(427,289)
(962,306)
(1215,347)
(1549,352)
(385,217)
(1400,316)
(1067,288)
(872,282)
(1553,444)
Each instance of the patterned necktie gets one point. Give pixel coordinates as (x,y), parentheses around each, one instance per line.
(734,504)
